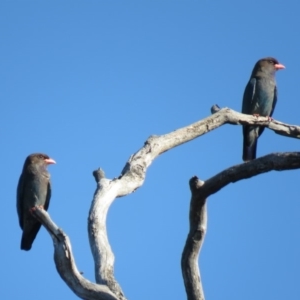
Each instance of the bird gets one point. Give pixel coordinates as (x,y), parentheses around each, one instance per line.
(34,189)
(260,97)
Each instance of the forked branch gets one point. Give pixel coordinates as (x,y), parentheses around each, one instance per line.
(65,263)
(198,215)
(133,176)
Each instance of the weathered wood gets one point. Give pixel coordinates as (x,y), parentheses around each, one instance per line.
(271,162)
(132,177)
(65,263)
(198,216)
(194,241)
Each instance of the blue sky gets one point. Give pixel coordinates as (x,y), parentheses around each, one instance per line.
(88,82)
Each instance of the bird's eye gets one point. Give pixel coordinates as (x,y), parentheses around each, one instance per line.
(271,62)
(41,156)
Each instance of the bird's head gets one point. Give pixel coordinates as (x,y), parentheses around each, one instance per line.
(39,159)
(268,65)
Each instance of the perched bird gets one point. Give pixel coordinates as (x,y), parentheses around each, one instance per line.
(34,189)
(259,99)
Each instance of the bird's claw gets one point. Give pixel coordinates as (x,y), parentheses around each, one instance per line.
(32,209)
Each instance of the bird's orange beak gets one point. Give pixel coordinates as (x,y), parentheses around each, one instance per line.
(279,66)
(49,161)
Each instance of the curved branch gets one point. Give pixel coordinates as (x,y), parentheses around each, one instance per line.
(65,263)
(198,218)
(133,176)
(101,250)
(236,118)
(189,259)
(276,161)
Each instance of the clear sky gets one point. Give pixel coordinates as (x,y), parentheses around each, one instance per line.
(88,81)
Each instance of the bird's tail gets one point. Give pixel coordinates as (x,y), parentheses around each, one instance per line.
(249,152)
(29,236)
(250,142)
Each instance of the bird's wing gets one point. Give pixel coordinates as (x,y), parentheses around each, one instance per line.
(20,190)
(274,101)
(248,103)
(48,196)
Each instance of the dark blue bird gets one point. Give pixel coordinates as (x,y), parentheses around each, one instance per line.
(34,189)
(260,98)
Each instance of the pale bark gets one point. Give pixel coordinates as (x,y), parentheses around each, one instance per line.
(65,263)
(194,241)
(201,190)
(133,176)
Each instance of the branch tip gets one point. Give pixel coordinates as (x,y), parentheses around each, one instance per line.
(215,108)
(98,174)
(195,183)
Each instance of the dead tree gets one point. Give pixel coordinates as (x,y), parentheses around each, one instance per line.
(133,176)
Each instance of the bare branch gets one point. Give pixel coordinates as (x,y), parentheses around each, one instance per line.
(189,259)
(236,118)
(198,217)
(276,161)
(65,263)
(133,176)
(101,250)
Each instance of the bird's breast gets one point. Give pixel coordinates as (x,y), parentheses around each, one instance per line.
(264,97)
